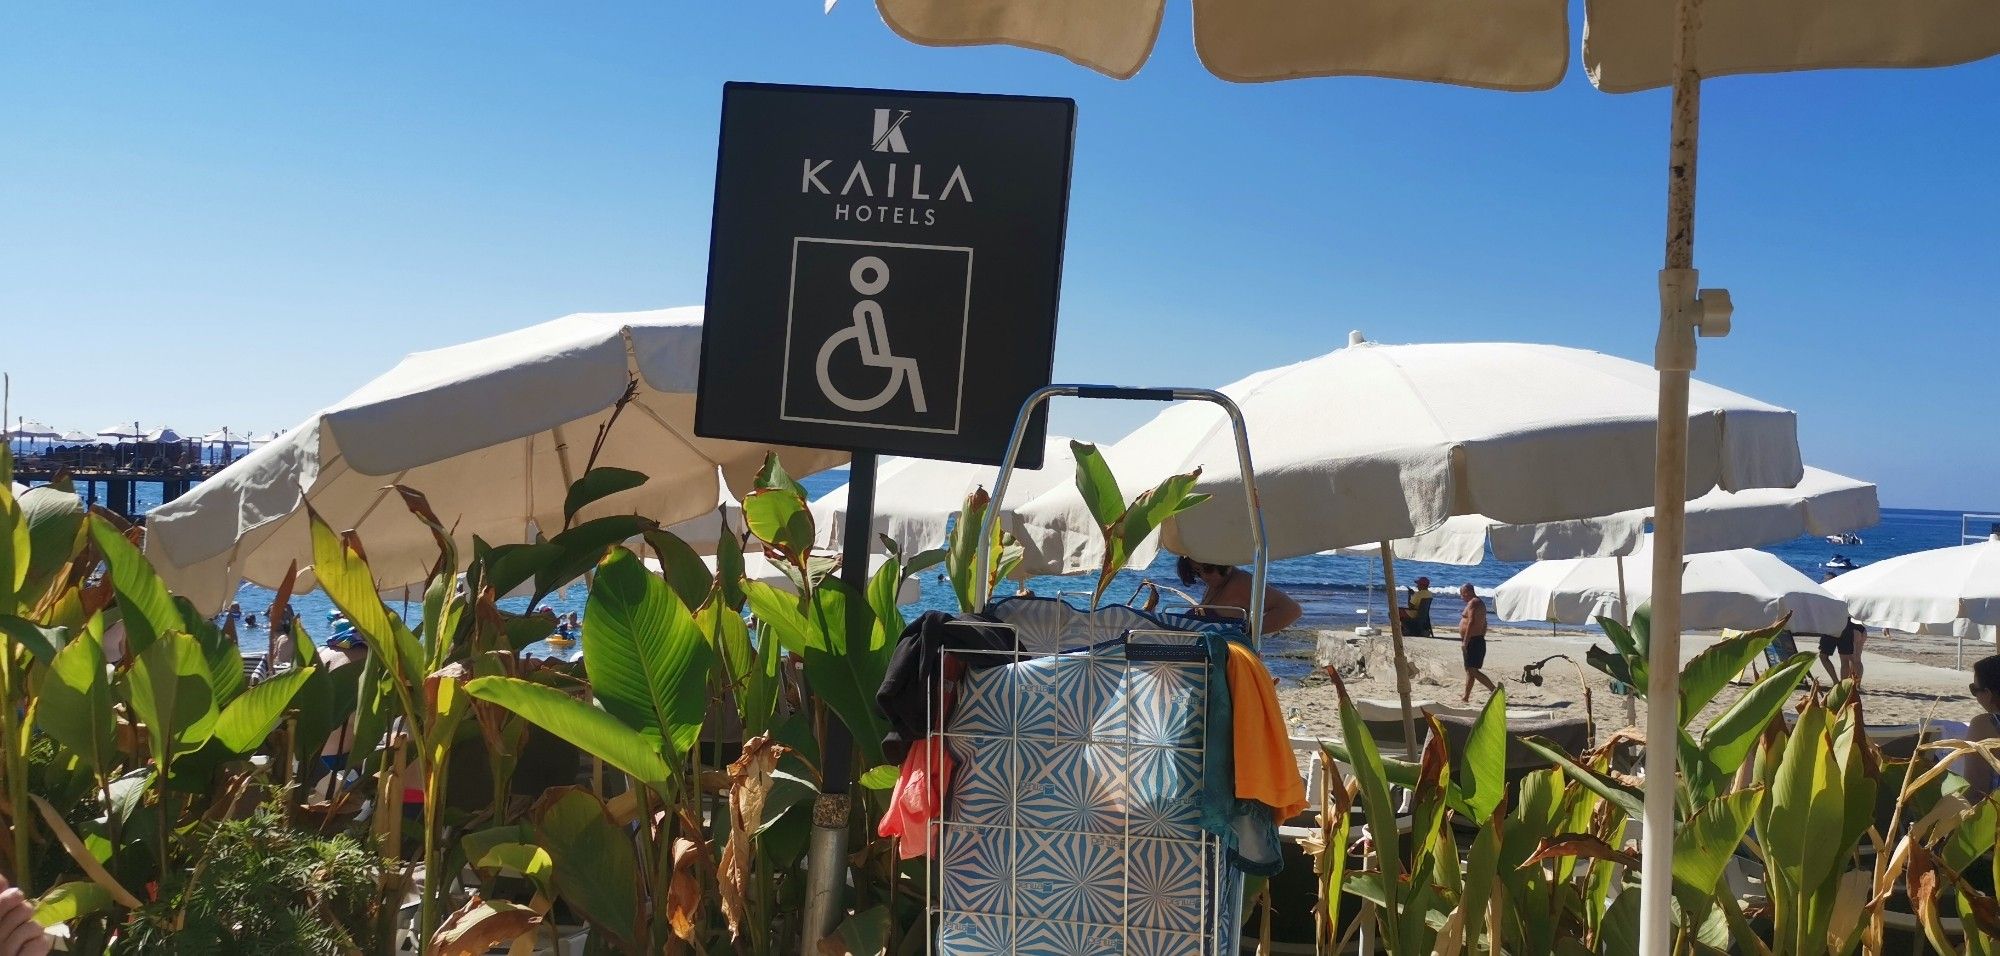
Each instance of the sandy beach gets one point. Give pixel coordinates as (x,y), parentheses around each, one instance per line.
(1906,678)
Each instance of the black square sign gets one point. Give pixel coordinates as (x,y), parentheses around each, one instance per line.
(884,269)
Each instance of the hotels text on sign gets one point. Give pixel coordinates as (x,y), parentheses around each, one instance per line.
(883,269)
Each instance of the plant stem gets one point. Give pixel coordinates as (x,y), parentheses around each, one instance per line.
(434,783)
(12,736)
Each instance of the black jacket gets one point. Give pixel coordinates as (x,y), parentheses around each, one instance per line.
(914,667)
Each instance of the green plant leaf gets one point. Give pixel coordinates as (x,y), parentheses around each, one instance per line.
(882,777)
(1482,770)
(683,569)
(772,476)
(864,934)
(54,516)
(68,901)
(1611,665)
(1619,795)
(1704,844)
(1097,485)
(252,716)
(590,729)
(225,658)
(16,544)
(1727,742)
(754,690)
(729,563)
(344,576)
(1711,670)
(846,674)
(1375,802)
(171,695)
(583,546)
(526,859)
(779,518)
(324,702)
(781,613)
(75,705)
(647,660)
(597,484)
(509,566)
(883,587)
(961,548)
(596,870)
(149,609)
(42,643)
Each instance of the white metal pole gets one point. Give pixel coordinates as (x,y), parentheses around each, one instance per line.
(1674,354)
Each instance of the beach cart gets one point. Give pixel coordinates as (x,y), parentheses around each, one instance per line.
(1081,815)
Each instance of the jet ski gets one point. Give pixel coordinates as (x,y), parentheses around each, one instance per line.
(1839,562)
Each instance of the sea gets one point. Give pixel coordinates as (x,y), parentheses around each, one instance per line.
(1335,592)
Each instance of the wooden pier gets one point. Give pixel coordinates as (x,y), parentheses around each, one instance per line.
(111,475)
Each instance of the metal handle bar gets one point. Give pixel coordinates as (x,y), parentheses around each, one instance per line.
(982,588)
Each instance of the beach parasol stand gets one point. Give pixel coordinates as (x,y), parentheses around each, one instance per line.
(491,431)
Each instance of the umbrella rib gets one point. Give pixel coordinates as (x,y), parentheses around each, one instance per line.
(675,432)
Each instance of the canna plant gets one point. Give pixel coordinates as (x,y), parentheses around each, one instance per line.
(1126,526)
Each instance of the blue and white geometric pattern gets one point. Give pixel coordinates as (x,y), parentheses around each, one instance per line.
(1073,824)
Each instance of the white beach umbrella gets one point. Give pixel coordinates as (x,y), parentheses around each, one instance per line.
(223,436)
(492,431)
(915,498)
(1953,590)
(31,430)
(1741,588)
(1822,503)
(161,434)
(73,435)
(122,432)
(1375,442)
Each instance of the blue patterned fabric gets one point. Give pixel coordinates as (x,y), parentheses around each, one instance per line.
(1074,825)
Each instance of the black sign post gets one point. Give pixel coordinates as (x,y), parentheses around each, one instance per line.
(882,277)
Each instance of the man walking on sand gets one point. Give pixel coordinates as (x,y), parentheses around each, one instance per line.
(1472,640)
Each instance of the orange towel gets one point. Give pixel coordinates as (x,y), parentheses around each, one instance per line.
(1266,770)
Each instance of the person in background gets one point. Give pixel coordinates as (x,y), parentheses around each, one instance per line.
(1413,612)
(231,616)
(249,622)
(1985,690)
(1844,645)
(1472,640)
(20,935)
(574,626)
(1229,586)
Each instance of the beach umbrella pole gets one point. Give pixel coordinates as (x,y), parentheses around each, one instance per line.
(1396,641)
(1685,310)
(826,862)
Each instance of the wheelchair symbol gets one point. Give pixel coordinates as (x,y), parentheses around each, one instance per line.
(869,276)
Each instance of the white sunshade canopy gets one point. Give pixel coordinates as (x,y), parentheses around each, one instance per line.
(1929,591)
(122,432)
(161,435)
(1822,503)
(492,431)
(1738,589)
(915,498)
(30,429)
(1375,442)
(73,435)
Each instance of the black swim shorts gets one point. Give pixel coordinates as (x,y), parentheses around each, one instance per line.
(1474,649)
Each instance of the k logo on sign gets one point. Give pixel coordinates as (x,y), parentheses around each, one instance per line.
(888,136)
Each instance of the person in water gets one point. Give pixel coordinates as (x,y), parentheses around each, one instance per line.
(1472,641)
(1229,586)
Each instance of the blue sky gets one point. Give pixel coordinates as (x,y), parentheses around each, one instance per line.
(221,214)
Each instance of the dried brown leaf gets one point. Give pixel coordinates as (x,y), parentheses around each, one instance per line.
(480,925)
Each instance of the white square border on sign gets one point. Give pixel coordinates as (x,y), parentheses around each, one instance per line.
(964,332)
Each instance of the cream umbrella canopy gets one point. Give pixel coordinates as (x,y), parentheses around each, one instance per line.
(1954,590)
(1741,588)
(915,498)
(492,431)
(1387,442)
